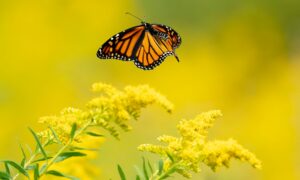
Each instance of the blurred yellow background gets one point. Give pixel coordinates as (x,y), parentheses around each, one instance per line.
(242,57)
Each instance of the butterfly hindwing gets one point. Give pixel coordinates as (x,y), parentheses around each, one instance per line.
(152,51)
(172,34)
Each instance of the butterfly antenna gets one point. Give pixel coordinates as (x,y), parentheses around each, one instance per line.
(128,13)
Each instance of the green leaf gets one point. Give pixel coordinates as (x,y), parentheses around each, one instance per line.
(66,155)
(23,162)
(73,131)
(94,134)
(121,173)
(137,177)
(59,174)
(160,166)
(36,172)
(55,135)
(55,173)
(4,176)
(81,148)
(18,167)
(165,176)
(145,169)
(23,152)
(170,157)
(39,144)
(7,168)
(150,167)
(41,159)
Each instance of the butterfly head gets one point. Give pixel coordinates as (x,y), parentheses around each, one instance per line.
(147,25)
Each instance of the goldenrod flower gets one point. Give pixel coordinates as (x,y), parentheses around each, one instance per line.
(191,148)
(62,124)
(219,153)
(112,109)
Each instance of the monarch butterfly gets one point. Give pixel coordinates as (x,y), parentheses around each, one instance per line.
(146,44)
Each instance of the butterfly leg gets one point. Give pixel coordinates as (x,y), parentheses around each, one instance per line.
(177,58)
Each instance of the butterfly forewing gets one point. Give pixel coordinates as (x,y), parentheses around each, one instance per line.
(121,45)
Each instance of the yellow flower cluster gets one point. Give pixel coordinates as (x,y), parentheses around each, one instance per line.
(121,106)
(62,124)
(188,151)
(112,109)
(218,153)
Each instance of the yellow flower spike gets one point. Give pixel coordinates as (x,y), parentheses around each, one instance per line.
(198,127)
(104,88)
(218,153)
(152,148)
(146,96)
(192,148)
(174,143)
(167,139)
